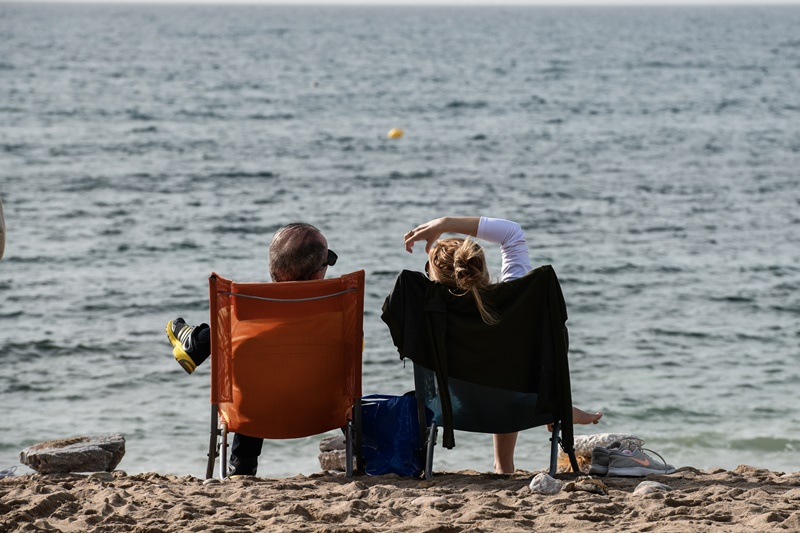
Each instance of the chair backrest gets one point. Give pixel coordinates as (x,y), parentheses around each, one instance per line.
(286,357)
(486,378)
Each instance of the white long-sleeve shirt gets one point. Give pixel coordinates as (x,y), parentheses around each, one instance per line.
(513,247)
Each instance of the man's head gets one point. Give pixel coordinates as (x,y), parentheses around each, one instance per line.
(298,252)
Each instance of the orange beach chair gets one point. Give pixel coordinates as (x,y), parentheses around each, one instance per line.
(286,361)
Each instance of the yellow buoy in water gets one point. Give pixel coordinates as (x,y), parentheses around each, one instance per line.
(395,133)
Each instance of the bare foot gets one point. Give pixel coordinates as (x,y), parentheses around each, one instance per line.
(579,416)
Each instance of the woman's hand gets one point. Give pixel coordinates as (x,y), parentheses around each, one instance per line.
(428,232)
(431,231)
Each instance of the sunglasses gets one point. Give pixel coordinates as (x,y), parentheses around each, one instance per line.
(331,260)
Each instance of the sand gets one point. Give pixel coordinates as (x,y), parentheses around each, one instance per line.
(745,499)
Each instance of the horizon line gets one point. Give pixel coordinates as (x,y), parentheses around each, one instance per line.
(426,3)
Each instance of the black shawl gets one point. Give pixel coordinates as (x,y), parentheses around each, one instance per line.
(525,352)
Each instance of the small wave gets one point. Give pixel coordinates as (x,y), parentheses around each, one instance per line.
(10,148)
(78,213)
(700,440)
(275,116)
(148,129)
(765,444)
(732,299)
(680,333)
(391,274)
(373,181)
(186,245)
(86,183)
(713,148)
(411,175)
(31,350)
(534,101)
(553,71)
(461,104)
(200,114)
(725,104)
(26,387)
(619,269)
(658,229)
(135,114)
(760,339)
(669,65)
(671,413)
(243,230)
(780,270)
(786,287)
(101,307)
(235,174)
(795,310)
(64,113)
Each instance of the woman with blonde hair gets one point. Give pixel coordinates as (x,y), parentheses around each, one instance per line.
(460,265)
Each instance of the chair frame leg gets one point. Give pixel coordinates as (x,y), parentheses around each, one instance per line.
(223,458)
(555,439)
(349,445)
(213,442)
(358,425)
(429,446)
(354,460)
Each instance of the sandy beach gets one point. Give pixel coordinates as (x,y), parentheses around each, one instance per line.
(744,499)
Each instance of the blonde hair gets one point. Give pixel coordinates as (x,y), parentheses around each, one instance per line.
(461,264)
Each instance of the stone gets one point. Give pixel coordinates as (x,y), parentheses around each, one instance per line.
(333,460)
(90,453)
(333,454)
(587,484)
(545,484)
(431,501)
(331,443)
(649,487)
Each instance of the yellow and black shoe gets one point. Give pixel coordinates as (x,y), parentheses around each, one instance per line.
(180,336)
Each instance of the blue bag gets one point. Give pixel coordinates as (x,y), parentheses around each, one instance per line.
(390,435)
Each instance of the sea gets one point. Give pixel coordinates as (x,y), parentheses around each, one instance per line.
(651,154)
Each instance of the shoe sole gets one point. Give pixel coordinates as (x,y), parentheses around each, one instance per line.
(636,471)
(180,354)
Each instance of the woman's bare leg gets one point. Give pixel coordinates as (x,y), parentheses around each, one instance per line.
(504,444)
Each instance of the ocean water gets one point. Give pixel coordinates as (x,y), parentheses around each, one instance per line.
(652,156)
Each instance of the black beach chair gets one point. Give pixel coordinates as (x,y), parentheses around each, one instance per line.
(487,379)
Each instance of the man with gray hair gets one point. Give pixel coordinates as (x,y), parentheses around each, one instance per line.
(297,252)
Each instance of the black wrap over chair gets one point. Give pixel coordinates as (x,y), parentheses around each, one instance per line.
(483,378)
